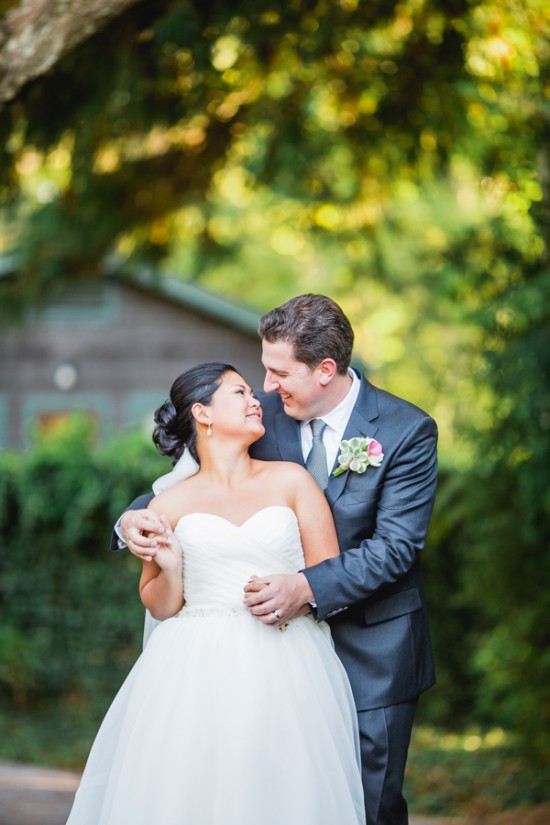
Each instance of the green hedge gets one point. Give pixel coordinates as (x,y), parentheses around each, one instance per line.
(70,614)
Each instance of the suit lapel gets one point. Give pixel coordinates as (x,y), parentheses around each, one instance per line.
(362,423)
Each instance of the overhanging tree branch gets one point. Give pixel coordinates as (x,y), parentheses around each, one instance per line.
(37,33)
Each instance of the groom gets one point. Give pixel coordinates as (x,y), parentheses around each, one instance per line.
(372,593)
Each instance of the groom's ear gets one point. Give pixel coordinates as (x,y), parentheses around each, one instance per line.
(327,370)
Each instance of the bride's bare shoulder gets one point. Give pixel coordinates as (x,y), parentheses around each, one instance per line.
(172,496)
(283,470)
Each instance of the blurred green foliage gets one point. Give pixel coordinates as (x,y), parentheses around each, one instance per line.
(70,614)
(471,775)
(303,140)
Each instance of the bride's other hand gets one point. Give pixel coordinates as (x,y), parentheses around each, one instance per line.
(254,584)
(141,530)
(161,584)
(168,550)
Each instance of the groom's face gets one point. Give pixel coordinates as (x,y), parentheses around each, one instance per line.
(298,386)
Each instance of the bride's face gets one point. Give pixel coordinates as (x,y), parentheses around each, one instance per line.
(234,409)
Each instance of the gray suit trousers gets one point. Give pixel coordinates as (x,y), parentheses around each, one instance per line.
(384,737)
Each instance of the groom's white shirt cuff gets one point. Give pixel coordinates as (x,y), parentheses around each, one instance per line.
(121,544)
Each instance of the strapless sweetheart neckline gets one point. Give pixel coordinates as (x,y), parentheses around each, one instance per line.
(243,523)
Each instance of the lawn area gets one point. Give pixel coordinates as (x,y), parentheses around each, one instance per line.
(471,774)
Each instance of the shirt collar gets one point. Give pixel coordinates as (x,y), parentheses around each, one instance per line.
(337,419)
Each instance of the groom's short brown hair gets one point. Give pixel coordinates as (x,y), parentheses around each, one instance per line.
(315,326)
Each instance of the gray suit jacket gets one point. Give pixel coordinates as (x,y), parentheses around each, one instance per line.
(372,593)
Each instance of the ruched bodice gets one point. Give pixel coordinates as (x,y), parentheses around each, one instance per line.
(220,557)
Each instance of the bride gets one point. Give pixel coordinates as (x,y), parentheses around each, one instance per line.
(224,720)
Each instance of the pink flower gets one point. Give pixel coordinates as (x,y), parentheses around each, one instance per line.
(374,448)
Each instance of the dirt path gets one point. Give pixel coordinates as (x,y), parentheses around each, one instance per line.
(35,796)
(41,796)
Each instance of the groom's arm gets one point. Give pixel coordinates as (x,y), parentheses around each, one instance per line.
(402,519)
(382,557)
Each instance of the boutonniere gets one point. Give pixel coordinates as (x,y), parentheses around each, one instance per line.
(357,454)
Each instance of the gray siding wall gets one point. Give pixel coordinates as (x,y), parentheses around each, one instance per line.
(127,347)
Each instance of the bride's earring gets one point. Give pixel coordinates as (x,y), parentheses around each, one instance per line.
(209,430)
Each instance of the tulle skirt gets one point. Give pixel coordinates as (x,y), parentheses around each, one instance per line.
(224,721)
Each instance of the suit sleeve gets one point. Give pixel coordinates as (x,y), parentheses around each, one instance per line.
(402,520)
(139,503)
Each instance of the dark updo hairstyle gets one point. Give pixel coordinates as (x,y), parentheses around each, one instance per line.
(175,425)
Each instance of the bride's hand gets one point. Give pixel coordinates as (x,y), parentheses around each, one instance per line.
(168,552)
(254,584)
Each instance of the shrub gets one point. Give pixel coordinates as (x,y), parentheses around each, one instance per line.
(70,614)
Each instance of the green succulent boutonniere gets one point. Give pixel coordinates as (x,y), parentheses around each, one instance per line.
(357,454)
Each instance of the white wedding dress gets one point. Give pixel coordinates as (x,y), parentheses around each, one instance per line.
(223,720)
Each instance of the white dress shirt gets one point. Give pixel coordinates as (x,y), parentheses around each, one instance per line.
(336,421)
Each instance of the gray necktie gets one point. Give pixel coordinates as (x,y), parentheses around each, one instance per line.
(316,462)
